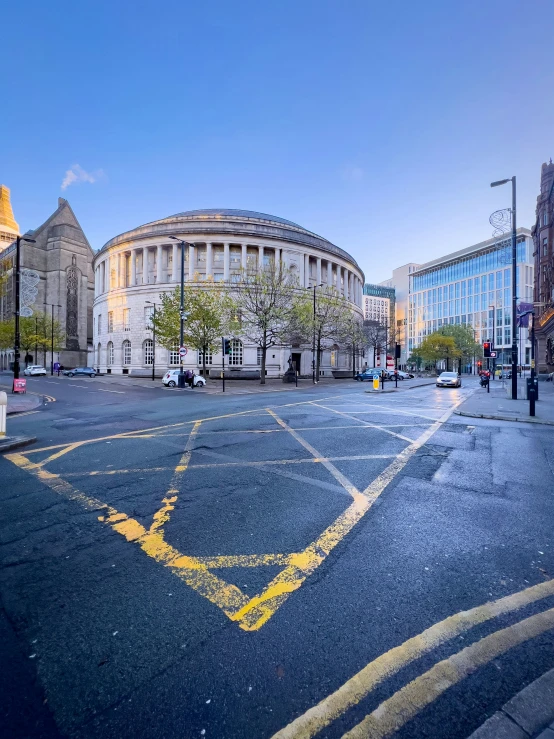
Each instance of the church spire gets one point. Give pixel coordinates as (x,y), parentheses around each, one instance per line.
(6,213)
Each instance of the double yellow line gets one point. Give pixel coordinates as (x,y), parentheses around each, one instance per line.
(394,713)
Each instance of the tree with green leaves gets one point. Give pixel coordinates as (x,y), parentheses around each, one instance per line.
(210,312)
(435,348)
(41,329)
(353,336)
(266,303)
(325,324)
(464,339)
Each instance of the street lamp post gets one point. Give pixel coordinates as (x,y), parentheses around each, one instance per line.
(493,335)
(17,332)
(181,375)
(313,335)
(153,341)
(514,282)
(54,305)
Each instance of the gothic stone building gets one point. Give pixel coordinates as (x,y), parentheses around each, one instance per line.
(543,238)
(56,271)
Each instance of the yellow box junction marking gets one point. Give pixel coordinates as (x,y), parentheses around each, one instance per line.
(250,613)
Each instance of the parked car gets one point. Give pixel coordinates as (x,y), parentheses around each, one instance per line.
(449,379)
(170,379)
(80,371)
(34,369)
(401,375)
(368,373)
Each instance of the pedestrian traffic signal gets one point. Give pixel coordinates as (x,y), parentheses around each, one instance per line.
(479,365)
(226,346)
(487,348)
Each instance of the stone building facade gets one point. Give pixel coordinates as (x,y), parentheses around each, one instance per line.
(132,269)
(56,273)
(543,240)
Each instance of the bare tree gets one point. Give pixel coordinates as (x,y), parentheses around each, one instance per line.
(266,302)
(353,336)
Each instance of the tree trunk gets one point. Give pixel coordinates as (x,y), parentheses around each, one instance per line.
(317,357)
(204,361)
(353,361)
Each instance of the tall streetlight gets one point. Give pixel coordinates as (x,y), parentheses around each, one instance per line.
(153,341)
(17,333)
(182,316)
(493,334)
(313,337)
(514,282)
(54,305)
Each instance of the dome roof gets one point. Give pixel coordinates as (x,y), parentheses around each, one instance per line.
(233,213)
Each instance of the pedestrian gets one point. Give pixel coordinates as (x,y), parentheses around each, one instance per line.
(189,377)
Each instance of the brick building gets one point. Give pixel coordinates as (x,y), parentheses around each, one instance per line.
(543,239)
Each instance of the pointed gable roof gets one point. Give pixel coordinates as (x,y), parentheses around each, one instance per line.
(63,215)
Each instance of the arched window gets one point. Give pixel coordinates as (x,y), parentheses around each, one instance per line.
(174,355)
(127,352)
(98,350)
(110,353)
(148,352)
(235,353)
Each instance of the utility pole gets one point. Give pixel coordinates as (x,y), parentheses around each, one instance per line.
(514,282)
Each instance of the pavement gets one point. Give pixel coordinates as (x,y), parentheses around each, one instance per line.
(498,405)
(322,563)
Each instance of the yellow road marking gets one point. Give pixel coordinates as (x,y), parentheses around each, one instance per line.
(249,613)
(391,662)
(395,712)
(260,609)
(20,415)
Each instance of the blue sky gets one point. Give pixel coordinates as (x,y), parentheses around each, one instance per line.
(377,125)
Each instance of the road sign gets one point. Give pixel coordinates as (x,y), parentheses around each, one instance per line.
(20,386)
(493,355)
(183,351)
(376,382)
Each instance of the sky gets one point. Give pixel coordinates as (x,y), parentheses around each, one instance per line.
(377,125)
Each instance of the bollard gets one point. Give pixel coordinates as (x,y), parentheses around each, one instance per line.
(532,400)
(3,411)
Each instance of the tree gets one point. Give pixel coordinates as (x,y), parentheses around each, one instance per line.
(38,331)
(266,302)
(436,347)
(210,310)
(353,335)
(464,338)
(375,334)
(325,324)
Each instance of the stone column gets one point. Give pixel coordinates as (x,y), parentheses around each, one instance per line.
(209,261)
(192,259)
(226,262)
(260,258)
(318,271)
(277,259)
(329,274)
(244,254)
(133,267)
(159,263)
(306,270)
(345,282)
(176,263)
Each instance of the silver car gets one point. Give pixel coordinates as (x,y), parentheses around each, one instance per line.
(449,379)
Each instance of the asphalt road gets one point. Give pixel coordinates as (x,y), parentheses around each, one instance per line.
(179,564)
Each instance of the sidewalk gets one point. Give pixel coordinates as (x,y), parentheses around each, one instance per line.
(499,406)
(20,403)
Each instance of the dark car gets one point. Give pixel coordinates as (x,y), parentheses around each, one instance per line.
(367,374)
(78,371)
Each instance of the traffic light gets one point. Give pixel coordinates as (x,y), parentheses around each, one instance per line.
(397,351)
(479,365)
(226,346)
(487,348)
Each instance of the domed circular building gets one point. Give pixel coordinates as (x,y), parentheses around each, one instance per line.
(135,267)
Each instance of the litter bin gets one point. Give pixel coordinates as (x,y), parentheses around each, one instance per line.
(536,384)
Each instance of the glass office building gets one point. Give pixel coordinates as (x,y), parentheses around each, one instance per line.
(473,286)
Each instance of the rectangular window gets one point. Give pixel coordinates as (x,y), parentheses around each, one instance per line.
(457,311)
(174,355)
(126,319)
(209,358)
(545,247)
(259,356)
(99,323)
(457,289)
(483,283)
(506,278)
(148,313)
(110,321)
(507,337)
(498,280)
(544,219)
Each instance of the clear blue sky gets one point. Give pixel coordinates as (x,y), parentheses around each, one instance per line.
(377,125)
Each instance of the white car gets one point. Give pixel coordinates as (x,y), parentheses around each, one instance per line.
(171,378)
(34,369)
(449,379)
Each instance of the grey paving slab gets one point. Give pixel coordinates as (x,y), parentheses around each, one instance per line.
(499,726)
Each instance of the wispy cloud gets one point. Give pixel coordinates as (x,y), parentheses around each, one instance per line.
(76,174)
(352,174)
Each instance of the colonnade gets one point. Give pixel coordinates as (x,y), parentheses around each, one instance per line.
(143,265)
